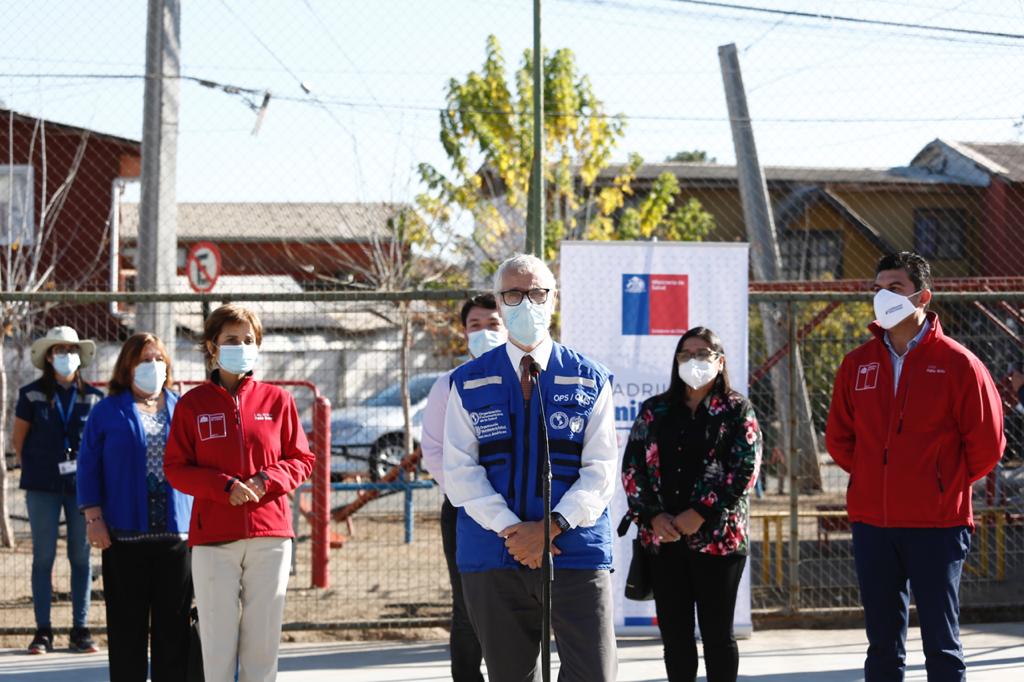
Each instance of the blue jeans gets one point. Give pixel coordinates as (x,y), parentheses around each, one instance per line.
(930,560)
(44,519)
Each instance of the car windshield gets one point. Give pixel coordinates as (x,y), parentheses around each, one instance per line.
(419,388)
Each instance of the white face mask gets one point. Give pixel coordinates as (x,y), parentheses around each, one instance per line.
(66,364)
(149,377)
(239,359)
(698,373)
(527,322)
(484,340)
(892,308)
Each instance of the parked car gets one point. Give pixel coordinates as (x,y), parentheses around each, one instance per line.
(370,435)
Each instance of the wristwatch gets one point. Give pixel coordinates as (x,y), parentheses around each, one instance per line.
(560,521)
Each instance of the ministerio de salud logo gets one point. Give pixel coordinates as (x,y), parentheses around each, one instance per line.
(655,305)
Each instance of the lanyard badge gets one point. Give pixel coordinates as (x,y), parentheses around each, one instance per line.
(69,465)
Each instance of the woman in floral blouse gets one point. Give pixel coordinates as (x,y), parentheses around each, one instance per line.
(690,463)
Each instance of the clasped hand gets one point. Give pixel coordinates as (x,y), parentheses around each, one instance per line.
(670,528)
(525,542)
(250,491)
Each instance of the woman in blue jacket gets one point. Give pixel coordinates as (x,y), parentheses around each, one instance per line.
(48,423)
(136,518)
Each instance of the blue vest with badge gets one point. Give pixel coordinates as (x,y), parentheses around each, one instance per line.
(508,433)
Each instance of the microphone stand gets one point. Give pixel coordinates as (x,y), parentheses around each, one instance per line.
(547,563)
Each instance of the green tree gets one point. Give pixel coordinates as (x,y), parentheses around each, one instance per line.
(691,156)
(486,131)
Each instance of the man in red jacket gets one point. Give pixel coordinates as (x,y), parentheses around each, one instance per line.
(915,420)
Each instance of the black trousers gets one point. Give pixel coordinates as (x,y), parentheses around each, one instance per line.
(148,592)
(463,644)
(684,578)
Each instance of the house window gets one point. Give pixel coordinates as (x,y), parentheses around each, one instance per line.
(17,217)
(811,255)
(940,233)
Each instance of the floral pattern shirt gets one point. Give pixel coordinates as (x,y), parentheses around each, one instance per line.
(721,494)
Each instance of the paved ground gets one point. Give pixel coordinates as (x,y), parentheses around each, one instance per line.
(995,653)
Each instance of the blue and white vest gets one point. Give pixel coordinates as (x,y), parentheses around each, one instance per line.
(508,433)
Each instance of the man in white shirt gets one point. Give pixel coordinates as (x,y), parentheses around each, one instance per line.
(484,330)
(497,419)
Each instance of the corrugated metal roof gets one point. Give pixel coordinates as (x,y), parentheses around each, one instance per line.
(706,172)
(262,222)
(1008,156)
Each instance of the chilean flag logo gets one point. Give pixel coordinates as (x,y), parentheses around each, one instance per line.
(867,377)
(655,305)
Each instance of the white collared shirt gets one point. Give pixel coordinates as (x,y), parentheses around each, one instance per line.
(466,481)
(897,359)
(432,436)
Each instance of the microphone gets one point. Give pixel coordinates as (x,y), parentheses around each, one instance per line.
(548,563)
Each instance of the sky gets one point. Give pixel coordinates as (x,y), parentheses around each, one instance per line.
(821,92)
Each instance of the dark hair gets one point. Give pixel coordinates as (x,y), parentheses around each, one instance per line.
(482,301)
(128,358)
(677,388)
(916,267)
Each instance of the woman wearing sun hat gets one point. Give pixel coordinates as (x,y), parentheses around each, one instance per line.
(48,421)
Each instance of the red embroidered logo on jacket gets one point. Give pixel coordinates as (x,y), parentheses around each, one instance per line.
(212,426)
(867,377)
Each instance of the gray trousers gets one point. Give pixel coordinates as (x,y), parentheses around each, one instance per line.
(505,609)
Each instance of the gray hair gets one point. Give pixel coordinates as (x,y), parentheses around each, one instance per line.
(523,263)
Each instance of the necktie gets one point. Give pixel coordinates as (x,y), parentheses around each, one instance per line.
(524,377)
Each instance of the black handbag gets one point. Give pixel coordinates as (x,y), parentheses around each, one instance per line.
(639,581)
(194,671)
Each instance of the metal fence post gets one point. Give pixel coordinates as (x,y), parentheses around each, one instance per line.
(408,514)
(320,545)
(791,466)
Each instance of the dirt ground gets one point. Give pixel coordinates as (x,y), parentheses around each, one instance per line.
(375,576)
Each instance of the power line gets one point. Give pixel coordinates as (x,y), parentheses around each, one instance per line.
(851,20)
(328,101)
(306,89)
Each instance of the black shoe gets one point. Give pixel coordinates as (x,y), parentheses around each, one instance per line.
(82,642)
(42,643)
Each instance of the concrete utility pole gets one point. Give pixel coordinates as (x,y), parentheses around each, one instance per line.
(535,205)
(158,212)
(767,264)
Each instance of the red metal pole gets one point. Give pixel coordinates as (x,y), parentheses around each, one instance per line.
(321,492)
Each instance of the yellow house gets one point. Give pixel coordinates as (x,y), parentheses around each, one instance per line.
(956,204)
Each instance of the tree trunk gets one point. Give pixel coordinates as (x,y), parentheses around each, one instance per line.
(403,311)
(6,530)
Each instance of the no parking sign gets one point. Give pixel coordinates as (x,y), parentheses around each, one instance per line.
(203,266)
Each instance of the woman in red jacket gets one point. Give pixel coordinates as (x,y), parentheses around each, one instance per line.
(237,447)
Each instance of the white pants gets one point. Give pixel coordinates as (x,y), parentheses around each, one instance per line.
(240,588)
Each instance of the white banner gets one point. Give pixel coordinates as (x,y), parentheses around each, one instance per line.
(625,304)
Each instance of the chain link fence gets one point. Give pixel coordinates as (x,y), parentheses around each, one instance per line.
(807,564)
(385,564)
(344,149)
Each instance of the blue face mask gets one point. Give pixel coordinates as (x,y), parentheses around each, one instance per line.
(527,322)
(66,364)
(238,359)
(484,340)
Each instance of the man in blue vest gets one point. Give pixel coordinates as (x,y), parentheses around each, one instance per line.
(493,472)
